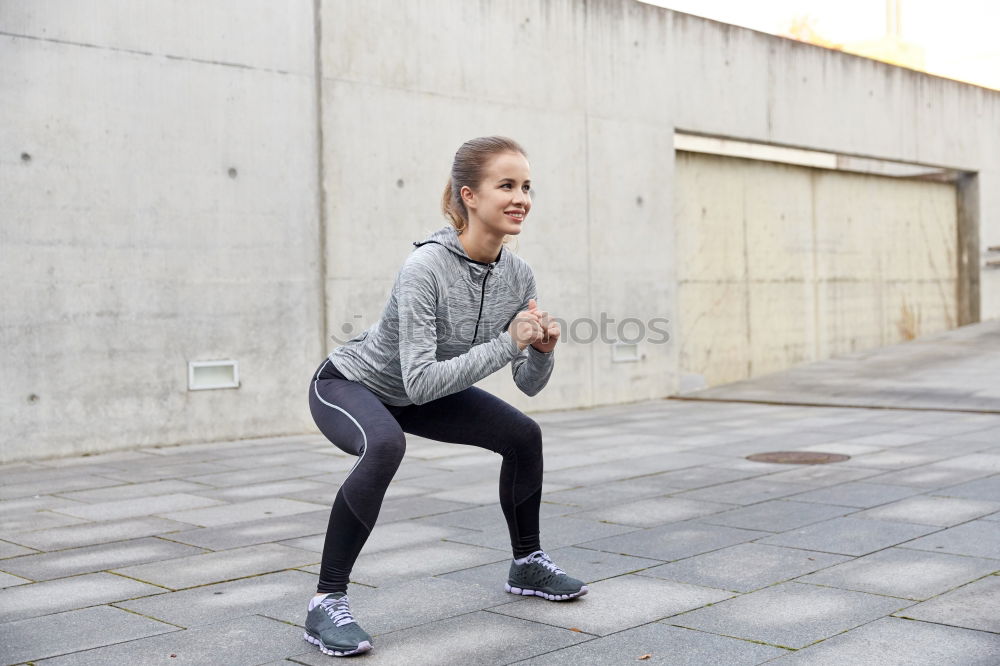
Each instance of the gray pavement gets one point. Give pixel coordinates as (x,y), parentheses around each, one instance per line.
(208,553)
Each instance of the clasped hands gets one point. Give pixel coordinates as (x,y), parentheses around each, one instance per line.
(536,328)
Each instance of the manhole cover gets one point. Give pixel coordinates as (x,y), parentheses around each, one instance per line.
(799,457)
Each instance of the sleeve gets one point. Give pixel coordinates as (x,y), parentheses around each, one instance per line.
(531,368)
(424,377)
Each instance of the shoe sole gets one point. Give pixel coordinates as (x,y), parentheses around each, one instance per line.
(539,593)
(363,646)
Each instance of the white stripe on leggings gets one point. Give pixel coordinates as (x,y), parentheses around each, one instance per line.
(364,446)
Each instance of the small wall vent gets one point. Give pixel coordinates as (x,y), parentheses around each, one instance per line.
(213,375)
(625,352)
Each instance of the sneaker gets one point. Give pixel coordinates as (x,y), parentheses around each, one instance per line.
(540,577)
(330,625)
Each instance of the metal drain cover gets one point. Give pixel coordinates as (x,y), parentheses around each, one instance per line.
(799,457)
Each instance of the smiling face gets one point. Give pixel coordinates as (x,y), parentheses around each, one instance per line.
(502,200)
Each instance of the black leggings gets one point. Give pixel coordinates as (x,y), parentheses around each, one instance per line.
(356,421)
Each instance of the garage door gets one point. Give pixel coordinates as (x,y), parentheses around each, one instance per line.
(781,264)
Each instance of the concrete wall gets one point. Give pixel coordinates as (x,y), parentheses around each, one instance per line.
(129,249)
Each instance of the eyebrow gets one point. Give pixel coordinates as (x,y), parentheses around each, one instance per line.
(504,180)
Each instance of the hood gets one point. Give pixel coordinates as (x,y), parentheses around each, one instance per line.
(448,237)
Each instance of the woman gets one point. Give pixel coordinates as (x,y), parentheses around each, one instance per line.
(462,307)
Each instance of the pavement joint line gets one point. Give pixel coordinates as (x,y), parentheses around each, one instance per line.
(789,403)
(148,617)
(738,638)
(534,621)
(121,575)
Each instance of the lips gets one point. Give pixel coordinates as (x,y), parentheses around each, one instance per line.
(515,214)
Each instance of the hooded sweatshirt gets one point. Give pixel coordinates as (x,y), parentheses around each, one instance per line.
(444,326)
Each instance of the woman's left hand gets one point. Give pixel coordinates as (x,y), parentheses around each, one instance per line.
(550,329)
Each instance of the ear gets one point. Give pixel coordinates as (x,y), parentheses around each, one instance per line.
(468,196)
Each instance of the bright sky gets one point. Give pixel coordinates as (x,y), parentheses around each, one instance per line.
(960,38)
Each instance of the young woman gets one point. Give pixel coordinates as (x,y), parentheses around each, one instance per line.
(462,307)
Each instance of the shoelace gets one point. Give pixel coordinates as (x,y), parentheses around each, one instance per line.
(544,560)
(338,610)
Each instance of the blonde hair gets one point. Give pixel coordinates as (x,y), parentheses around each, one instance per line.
(467,171)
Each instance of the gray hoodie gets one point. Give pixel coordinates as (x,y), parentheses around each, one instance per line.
(444,326)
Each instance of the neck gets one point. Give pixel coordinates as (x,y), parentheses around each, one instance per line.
(479,243)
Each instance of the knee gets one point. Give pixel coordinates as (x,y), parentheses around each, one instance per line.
(388,448)
(527,436)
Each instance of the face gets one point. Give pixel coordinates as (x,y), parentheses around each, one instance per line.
(502,200)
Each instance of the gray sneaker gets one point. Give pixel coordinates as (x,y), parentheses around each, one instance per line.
(540,577)
(330,625)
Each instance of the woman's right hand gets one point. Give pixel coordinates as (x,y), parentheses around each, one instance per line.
(525,329)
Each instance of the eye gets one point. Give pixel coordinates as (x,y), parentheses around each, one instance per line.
(505,185)
(526,188)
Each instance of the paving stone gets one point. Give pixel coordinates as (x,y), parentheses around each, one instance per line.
(281,596)
(484,518)
(132,490)
(35,520)
(822,475)
(287,488)
(891,641)
(482,493)
(147,472)
(613,492)
(929,477)
(241,512)
(103,532)
(861,494)
(34,638)
(897,459)
(52,596)
(101,557)
(745,567)
(776,515)
(691,478)
(616,604)
(654,511)
(35,503)
(987,489)
(481,638)
(417,507)
(51,484)
(7,580)
(581,563)
(973,606)
(747,491)
(245,640)
(975,461)
(219,566)
(901,572)
(893,439)
(419,561)
(555,532)
(244,477)
(663,644)
(849,536)
(268,530)
(979,538)
(790,615)
(392,536)
(138,506)
(931,510)
(674,541)
(638,467)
